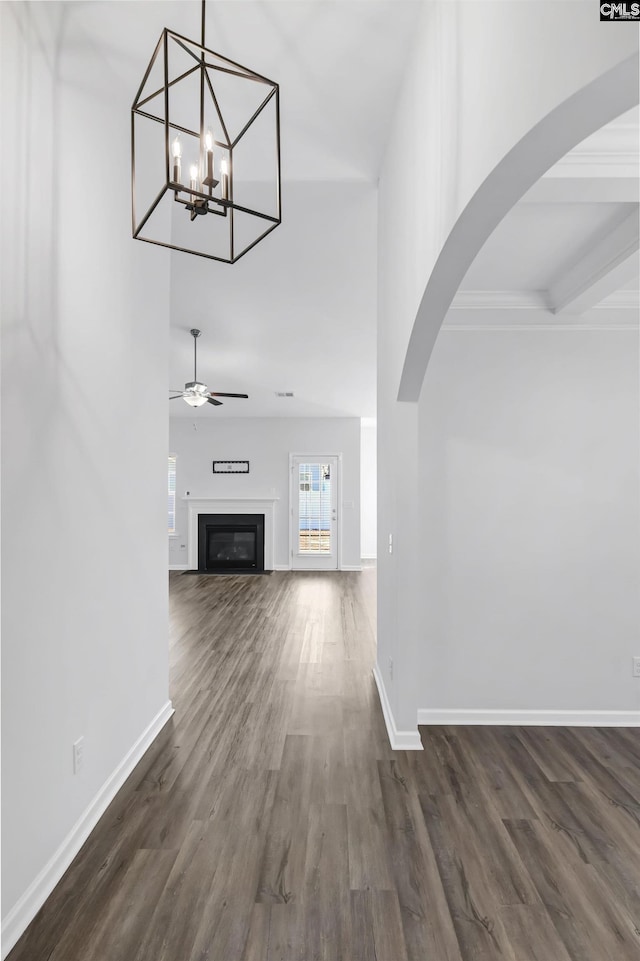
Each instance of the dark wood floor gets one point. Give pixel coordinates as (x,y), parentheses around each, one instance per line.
(271,821)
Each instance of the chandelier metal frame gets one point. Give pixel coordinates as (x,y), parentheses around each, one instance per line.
(200,197)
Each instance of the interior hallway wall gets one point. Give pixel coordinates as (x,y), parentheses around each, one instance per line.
(84,441)
(529,468)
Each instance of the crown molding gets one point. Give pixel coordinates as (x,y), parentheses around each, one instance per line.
(537,300)
(478,310)
(613,144)
(500,300)
(608,158)
(611,152)
(523,323)
(620,300)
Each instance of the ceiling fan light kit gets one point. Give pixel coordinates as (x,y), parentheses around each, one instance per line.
(223,120)
(195,393)
(198,397)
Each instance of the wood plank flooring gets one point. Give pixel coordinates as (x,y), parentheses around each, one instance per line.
(271,821)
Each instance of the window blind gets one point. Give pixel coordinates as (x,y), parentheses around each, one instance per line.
(314,508)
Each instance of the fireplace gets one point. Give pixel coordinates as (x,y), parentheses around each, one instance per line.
(231,543)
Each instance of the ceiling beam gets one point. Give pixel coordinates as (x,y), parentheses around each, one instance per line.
(610,263)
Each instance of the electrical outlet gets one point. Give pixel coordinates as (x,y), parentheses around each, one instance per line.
(636,667)
(391,543)
(390,668)
(78,755)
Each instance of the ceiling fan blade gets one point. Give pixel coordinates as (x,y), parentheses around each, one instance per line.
(177,397)
(216,393)
(212,400)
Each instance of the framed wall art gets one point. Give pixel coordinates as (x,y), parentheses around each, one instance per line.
(231,467)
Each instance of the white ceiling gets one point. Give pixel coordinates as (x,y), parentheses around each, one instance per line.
(298,312)
(339,64)
(537,241)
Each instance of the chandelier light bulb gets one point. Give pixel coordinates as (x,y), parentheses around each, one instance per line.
(193,183)
(176,173)
(209,140)
(224,179)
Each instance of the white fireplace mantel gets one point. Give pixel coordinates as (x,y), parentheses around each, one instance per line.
(230,505)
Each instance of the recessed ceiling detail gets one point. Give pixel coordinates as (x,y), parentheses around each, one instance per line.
(571,245)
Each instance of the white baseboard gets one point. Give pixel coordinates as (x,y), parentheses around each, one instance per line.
(463,716)
(399,740)
(369,557)
(27,906)
(344,567)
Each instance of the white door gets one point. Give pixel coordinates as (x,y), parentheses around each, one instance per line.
(314,512)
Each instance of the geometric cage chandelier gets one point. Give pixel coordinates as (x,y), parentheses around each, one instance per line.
(205,152)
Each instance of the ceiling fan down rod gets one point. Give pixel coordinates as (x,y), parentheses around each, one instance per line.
(195,333)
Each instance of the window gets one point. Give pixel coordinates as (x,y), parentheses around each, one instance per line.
(171,503)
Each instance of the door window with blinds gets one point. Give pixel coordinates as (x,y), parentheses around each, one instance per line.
(314,508)
(171,503)
(315,484)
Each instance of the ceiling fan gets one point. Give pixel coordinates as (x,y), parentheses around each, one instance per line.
(195,393)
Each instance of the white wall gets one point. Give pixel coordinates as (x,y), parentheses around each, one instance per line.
(472,90)
(266,443)
(368,489)
(529,459)
(84,324)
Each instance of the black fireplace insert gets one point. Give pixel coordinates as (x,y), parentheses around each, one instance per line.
(231,543)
